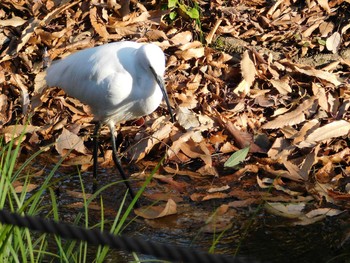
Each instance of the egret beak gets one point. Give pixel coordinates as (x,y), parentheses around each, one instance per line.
(160,82)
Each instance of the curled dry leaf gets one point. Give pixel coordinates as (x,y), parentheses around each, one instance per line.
(307,128)
(291,118)
(248,73)
(154,212)
(40,82)
(286,210)
(97,24)
(242,138)
(19,82)
(323,211)
(329,131)
(299,172)
(327,76)
(28,32)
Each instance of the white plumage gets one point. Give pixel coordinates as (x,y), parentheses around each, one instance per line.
(115,79)
(119,81)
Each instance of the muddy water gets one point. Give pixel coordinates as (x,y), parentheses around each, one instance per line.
(261,236)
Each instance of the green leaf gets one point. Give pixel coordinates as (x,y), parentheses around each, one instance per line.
(172,15)
(172,3)
(193,13)
(321,41)
(237,157)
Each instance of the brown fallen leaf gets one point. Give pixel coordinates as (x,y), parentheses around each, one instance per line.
(324,4)
(282,85)
(291,118)
(186,172)
(154,212)
(198,197)
(191,53)
(243,139)
(67,141)
(15,21)
(181,38)
(331,130)
(327,76)
(218,189)
(286,209)
(28,188)
(76,194)
(339,196)
(13,131)
(248,73)
(145,146)
(178,186)
(97,24)
(243,203)
(186,118)
(333,42)
(220,220)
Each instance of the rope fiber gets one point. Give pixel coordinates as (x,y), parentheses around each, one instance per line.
(96,237)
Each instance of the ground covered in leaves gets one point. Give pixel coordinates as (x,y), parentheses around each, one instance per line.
(271,76)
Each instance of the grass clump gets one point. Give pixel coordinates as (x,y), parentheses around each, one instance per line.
(21,244)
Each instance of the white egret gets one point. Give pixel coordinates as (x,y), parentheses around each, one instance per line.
(119,81)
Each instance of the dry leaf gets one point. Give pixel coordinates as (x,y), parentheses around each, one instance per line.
(286,210)
(329,131)
(98,24)
(291,118)
(324,5)
(145,146)
(15,21)
(218,189)
(333,42)
(67,141)
(248,73)
(186,118)
(27,188)
(181,38)
(154,212)
(327,76)
(282,85)
(28,32)
(191,53)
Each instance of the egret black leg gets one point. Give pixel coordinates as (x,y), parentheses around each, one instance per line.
(118,164)
(95,155)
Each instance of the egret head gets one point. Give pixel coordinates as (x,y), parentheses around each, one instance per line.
(152,56)
(153,59)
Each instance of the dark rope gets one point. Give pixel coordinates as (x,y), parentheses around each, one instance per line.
(96,237)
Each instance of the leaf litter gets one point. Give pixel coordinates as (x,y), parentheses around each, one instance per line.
(274,78)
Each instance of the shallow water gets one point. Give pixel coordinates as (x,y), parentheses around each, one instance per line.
(267,239)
